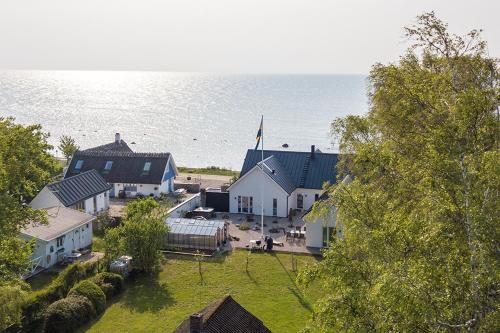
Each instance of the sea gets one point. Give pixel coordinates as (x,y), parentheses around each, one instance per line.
(203,119)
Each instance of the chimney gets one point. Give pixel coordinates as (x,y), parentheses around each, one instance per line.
(117,138)
(313,150)
(203,197)
(195,323)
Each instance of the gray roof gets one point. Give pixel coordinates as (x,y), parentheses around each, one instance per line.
(302,170)
(194,227)
(119,146)
(274,169)
(60,221)
(80,187)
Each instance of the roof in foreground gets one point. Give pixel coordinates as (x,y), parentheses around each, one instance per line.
(226,315)
(60,221)
(302,170)
(121,167)
(79,187)
(194,226)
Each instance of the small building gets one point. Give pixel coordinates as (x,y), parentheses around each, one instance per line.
(224,315)
(67,230)
(195,234)
(87,191)
(284,180)
(129,173)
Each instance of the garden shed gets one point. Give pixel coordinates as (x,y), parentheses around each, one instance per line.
(195,234)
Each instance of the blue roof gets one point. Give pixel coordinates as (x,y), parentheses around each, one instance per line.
(274,169)
(302,170)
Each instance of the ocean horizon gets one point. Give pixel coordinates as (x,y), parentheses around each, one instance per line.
(203,119)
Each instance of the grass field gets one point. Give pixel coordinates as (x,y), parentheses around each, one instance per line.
(160,303)
(209,171)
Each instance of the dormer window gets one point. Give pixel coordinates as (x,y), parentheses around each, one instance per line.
(147,167)
(108,166)
(78,165)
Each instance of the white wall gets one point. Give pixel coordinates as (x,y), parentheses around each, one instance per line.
(250,186)
(314,232)
(308,195)
(45,199)
(185,206)
(145,189)
(74,239)
(101,201)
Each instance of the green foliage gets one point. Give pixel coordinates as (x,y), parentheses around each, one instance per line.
(244,226)
(25,167)
(68,146)
(141,235)
(37,302)
(67,314)
(420,219)
(109,282)
(11,301)
(89,289)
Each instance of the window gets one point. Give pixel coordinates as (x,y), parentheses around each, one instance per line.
(78,165)
(87,225)
(245,204)
(239,204)
(107,167)
(328,234)
(275,207)
(316,197)
(60,241)
(106,194)
(300,201)
(51,248)
(147,167)
(95,204)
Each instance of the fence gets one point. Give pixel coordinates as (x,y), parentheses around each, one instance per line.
(185,206)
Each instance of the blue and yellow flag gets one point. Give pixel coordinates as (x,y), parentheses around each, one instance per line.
(260,132)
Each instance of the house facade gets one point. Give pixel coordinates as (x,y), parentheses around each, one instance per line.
(67,230)
(87,192)
(283,181)
(128,173)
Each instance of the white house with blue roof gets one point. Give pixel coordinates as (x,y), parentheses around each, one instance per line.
(284,180)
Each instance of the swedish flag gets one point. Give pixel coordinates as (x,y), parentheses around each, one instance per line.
(260,132)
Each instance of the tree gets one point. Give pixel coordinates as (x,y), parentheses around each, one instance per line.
(420,219)
(141,235)
(25,167)
(68,146)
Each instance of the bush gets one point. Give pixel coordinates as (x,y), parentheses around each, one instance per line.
(90,290)
(106,280)
(244,226)
(38,301)
(67,314)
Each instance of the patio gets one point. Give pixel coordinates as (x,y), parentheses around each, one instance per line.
(282,225)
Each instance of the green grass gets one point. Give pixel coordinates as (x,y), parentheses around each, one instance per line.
(161,303)
(42,280)
(209,171)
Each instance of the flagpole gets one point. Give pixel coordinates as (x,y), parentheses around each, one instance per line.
(262,183)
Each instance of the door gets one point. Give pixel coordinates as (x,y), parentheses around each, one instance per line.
(300,201)
(275,207)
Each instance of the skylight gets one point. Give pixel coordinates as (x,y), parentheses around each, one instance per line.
(147,166)
(78,165)
(108,165)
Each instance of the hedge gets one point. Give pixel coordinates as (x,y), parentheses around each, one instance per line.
(110,283)
(90,290)
(38,301)
(67,314)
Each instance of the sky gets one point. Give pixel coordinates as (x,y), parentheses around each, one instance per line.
(227,36)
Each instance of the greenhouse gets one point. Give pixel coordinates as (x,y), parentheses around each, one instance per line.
(195,234)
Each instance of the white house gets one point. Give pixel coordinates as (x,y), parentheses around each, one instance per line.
(129,173)
(87,191)
(285,180)
(321,230)
(67,230)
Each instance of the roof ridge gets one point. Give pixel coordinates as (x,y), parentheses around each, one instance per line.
(102,153)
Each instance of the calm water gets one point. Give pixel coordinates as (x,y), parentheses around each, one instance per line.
(203,119)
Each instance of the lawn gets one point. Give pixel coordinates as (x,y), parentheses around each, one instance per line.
(209,171)
(159,304)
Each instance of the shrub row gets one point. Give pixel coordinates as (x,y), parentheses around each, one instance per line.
(84,301)
(38,301)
